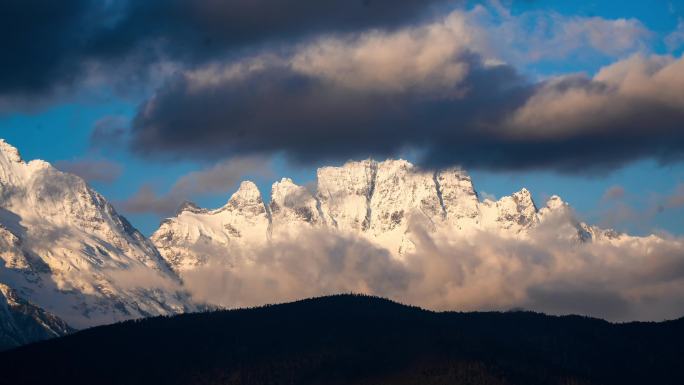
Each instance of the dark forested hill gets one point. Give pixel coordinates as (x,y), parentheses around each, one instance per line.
(356,340)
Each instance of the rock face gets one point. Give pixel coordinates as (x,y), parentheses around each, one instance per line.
(381,201)
(187,240)
(21,322)
(64,247)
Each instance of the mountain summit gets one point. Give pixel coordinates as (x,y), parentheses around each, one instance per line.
(379,201)
(66,249)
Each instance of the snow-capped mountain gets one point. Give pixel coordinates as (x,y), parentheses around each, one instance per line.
(21,322)
(376,200)
(64,248)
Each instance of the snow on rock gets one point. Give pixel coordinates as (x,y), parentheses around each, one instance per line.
(345,194)
(293,206)
(64,247)
(380,201)
(21,322)
(187,240)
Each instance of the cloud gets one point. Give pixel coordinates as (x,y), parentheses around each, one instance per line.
(675,39)
(334,80)
(614,193)
(92,170)
(53,45)
(547,36)
(424,88)
(617,212)
(218,179)
(636,278)
(109,131)
(317,263)
(142,277)
(676,199)
(336,98)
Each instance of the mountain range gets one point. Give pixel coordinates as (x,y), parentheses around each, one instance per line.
(74,262)
(378,201)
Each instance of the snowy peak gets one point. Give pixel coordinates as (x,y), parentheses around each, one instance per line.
(402,191)
(293,204)
(555,202)
(63,246)
(247,195)
(247,201)
(512,214)
(9,152)
(384,202)
(459,199)
(345,194)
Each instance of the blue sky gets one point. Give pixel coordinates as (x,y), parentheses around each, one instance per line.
(60,129)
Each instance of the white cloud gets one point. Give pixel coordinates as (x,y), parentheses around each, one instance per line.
(429,56)
(636,278)
(675,39)
(619,96)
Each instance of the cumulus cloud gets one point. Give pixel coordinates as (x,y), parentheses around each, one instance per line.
(639,278)
(312,264)
(218,179)
(57,45)
(92,170)
(426,88)
(333,80)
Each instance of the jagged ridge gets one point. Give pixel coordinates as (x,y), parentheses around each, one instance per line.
(376,200)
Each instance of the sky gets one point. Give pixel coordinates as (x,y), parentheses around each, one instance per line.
(158,102)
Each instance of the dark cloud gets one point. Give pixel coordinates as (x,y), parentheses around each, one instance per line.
(48,44)
(109,131)
(40,40)
(491,118)
(309,119)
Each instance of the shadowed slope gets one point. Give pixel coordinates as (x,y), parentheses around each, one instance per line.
(356,340)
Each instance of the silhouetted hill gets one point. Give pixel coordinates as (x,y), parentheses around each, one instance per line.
(356,340)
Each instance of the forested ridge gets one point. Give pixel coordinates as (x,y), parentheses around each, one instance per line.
(350,339)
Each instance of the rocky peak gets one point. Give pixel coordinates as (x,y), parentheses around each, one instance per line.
(555,202)
(524,198)
(375,200)
(58,233)
(190,207)
(292,203)
(345,193)
(248,191)
(9,152)
(247,197)
(458,197)
(401,190)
